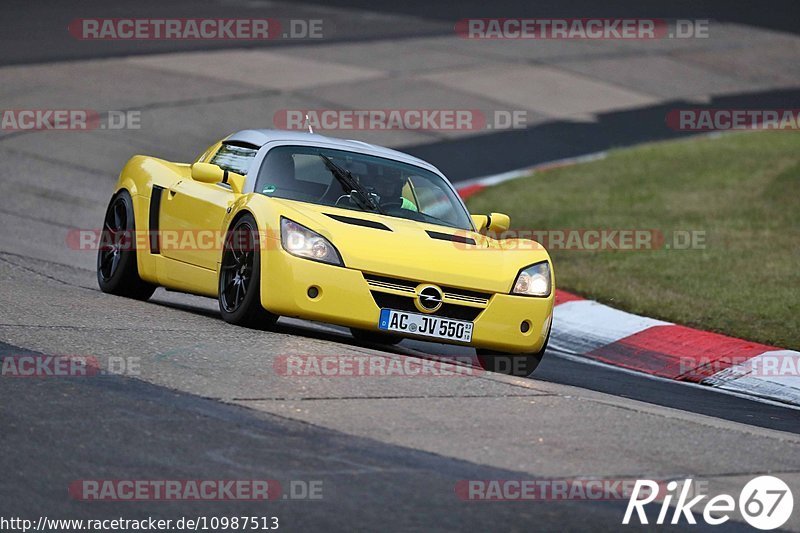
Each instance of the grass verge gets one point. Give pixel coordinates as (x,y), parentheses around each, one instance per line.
(741,191)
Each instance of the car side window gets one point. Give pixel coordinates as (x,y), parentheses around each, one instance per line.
(430,199)
(234,158)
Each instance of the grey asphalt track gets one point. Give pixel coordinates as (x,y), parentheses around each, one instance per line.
(35,31)
(204,400)
(112,424)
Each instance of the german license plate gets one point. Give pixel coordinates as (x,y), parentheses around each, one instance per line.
(425,325)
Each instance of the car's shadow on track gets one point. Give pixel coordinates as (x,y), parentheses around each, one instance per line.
(316,330)
(286,326)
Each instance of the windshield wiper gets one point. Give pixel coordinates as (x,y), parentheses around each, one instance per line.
(361,196)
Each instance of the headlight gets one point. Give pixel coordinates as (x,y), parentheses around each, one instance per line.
(300,241)
(533,280)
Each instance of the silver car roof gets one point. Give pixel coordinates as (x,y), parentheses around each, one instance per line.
(261,137)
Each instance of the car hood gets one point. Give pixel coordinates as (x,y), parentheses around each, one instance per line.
(418,251)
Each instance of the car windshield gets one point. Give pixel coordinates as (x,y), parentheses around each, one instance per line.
(361,182)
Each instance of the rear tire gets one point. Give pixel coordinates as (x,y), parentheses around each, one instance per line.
(375,337)
(239,292)
(117,268)
(519,365)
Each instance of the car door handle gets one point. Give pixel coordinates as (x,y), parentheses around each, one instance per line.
(172,189)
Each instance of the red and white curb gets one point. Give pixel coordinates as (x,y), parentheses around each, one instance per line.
(594,331)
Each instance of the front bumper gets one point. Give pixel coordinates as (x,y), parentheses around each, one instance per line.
(345,297)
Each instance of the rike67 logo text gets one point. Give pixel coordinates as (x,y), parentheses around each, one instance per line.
(765,503)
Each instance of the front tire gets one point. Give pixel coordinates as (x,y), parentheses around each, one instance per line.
(239,291)
(117,268)
(519,365)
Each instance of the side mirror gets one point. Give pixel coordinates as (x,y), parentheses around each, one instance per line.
(207,173)
(496,222)
(210,173)
(499,222)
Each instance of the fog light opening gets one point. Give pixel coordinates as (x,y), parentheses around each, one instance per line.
(314,292)
(525,326)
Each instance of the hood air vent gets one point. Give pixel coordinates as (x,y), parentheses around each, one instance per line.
(358,222)
(449,237)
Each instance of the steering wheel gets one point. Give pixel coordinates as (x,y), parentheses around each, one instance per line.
(344,197)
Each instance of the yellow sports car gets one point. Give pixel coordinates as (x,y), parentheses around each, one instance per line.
(275,223)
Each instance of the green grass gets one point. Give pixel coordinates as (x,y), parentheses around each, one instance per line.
(742,189)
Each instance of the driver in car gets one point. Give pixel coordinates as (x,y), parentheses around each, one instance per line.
(388,187)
